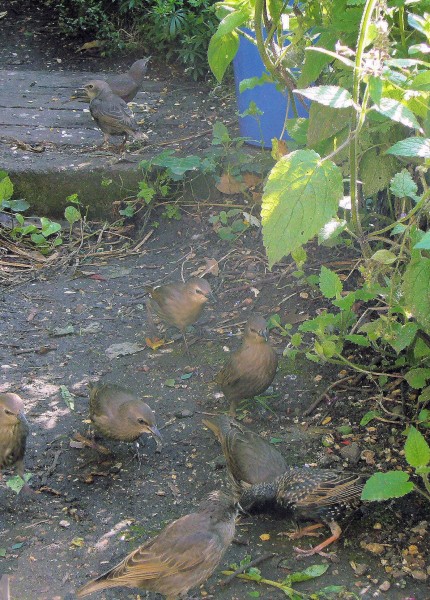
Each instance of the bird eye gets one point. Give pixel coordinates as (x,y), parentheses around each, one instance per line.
(141,421)
(8,412)
(199,291)
(90,86)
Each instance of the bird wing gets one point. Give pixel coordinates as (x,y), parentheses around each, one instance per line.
(228,376)
(164,557)
(114,112)
(325,488)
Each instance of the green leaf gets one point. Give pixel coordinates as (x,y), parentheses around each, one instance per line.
(68,397)
(169,383)
(411,147)
(329,95)
(402,185)
(298,129)
(220,134)
(384,257)
(383,486)
(424,418)
(369,416)
(232,21)
(301,194)
(375,88)
(417,451)
(376,171)
(128,211)
(19,205)
(398,112)
(186,376)
(421,82)
(6,189)
(37,238)
(403,335)
(2,552)
(72,214)
(296,339)
(359,340)
(424,243)
(275,440)
(16,483)
(325,122)
(417,378)
(309,573)
(330,283)
(419,23)
(252,82)
(316,61)
(416,290)
(49,227)
(254,594)
(221,52)
(425,394)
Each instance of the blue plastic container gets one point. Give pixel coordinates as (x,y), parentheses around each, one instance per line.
(273,103)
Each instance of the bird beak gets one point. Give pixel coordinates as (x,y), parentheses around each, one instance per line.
(81,93)
(156,433)
(21,417)
(265,334)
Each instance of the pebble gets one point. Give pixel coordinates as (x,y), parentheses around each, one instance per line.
(184,414)
(351,452)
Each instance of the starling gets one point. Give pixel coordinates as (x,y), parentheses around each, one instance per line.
(179,304)
(250,458)
(13,433)
(128,84)
(181,557)
(251,369)
(120,415)
(321,495)
(111,113)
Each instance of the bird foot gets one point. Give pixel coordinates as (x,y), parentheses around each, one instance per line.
(304,532)
(302,553)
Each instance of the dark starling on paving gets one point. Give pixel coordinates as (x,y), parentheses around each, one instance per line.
(181,557)
(321,495)
(128,84)
(250,458)
(179,304)
(111,113)
(13,432)
(118,414)
(251,369)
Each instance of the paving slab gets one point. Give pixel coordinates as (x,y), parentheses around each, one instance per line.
(48,140)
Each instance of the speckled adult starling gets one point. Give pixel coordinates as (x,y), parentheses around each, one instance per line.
(251,369)
(250,458)
(118,414)
(179,304)
(111,113)
(181,557)
(126,85)
(321,495)
(13,432)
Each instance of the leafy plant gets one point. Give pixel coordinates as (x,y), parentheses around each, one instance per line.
(228,224)
(42,233)
(394,484)
(253,574)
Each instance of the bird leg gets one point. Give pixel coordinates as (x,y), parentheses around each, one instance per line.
(233,409)
(336,532)
(302,532)
(184,337)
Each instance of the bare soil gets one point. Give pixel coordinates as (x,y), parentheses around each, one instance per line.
(91,510)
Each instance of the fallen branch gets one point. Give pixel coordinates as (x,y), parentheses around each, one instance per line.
(242,569)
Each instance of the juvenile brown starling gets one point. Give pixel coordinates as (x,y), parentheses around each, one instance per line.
(13,432)
(321,495)
(120,415)
(250,458)
(111,113)
(128,84)
(181,557)
(179,304)
(251,369)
